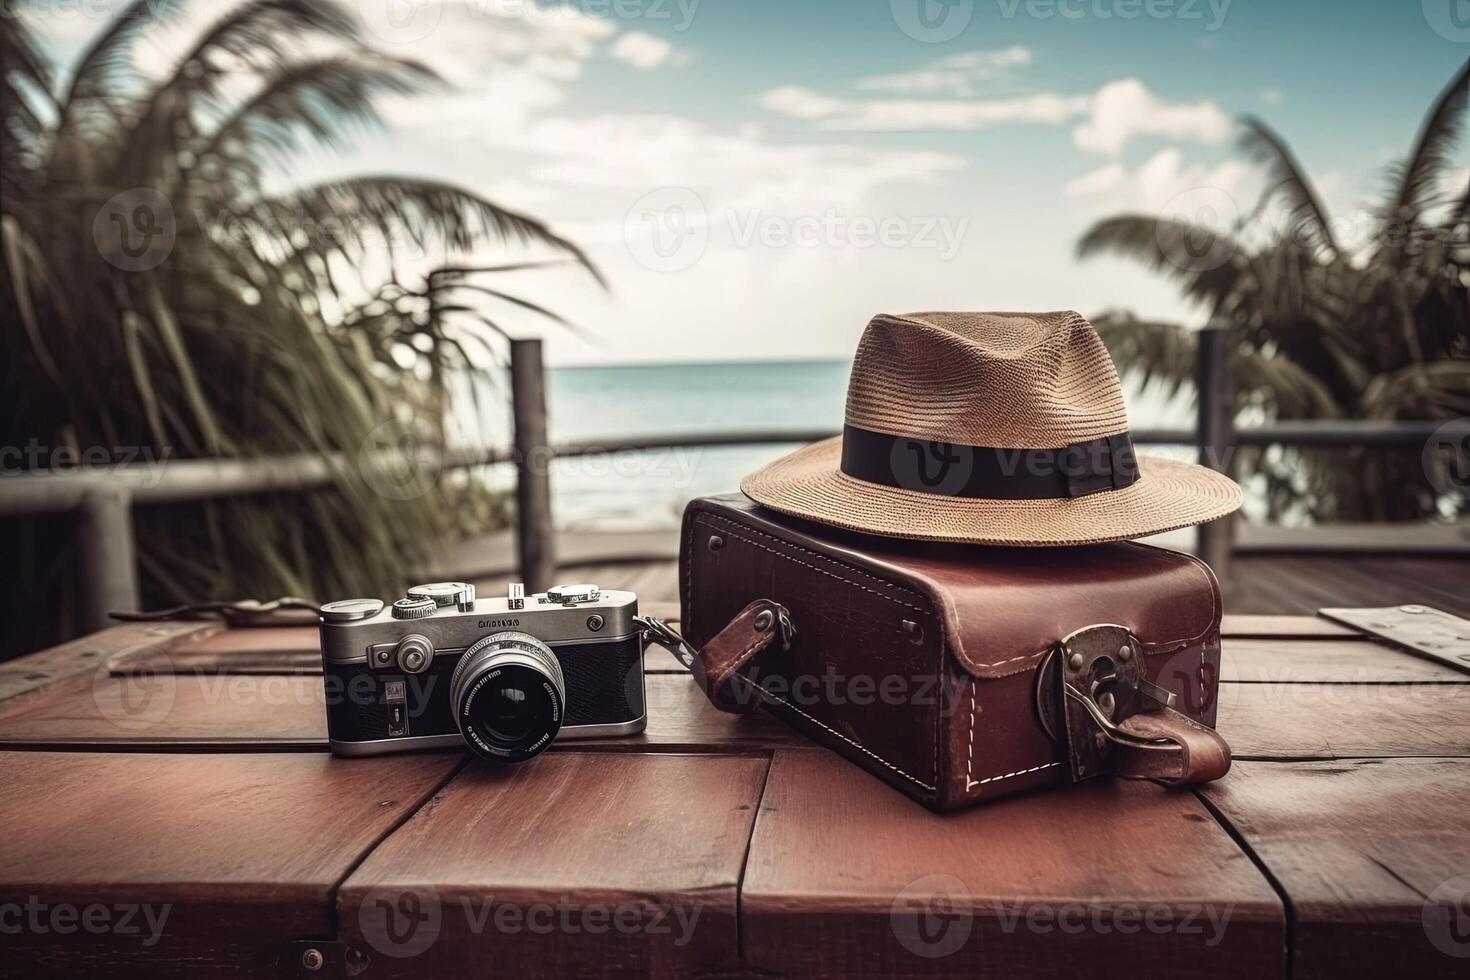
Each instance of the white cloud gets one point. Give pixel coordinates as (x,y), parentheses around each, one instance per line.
(1165,176)
(644,51)
(908,115)
(1161,180)
(1123,109)
(1104,178)
(1272,96)
(1114,114)
(954,75)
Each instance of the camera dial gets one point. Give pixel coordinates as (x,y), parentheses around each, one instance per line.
(351,610)
(413,608)
(508,697)
(442,593)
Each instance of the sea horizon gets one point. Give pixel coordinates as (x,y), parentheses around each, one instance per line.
(647,489)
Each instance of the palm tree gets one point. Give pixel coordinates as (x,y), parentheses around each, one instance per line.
(1323,331)
(158,293)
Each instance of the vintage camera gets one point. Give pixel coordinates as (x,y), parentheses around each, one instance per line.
(505,676)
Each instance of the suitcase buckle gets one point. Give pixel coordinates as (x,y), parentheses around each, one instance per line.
(1089,683)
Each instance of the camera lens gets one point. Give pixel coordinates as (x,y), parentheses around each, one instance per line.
(508,697)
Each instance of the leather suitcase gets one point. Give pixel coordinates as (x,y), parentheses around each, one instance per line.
(957,674)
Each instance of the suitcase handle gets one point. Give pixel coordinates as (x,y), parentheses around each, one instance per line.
(721,663)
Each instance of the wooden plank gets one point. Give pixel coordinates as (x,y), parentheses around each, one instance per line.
(257,650)
(1297,661)
(217,861)
(585,865)
(1271,627)
(1300,584)
(188,712)
(1331,721)
(179,711)
(1372,854)
(681,719)
(1106,879)
(23,676)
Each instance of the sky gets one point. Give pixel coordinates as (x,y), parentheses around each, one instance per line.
(755,179)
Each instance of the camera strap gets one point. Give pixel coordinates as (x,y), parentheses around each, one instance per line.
(721,667)
(655,630)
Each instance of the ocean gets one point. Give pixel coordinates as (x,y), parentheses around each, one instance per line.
(634,491)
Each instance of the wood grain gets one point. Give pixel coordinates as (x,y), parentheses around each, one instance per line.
(258,650)
(1360,846)
(580,864)
(681,719)
(187,712)
(242,851)
(179,711)
(1318,661)
(1279,627)
(841,872)
(1330,721)
(24,677)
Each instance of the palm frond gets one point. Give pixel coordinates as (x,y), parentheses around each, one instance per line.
(1440,390)
(321,99)
(260,36)
(1206,263)
(27,77)
(1290,183)
(1154,352)
(1419,178)
(108,60)
(1281,387)
(424,210)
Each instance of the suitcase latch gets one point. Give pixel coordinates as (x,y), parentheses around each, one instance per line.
(1091,682)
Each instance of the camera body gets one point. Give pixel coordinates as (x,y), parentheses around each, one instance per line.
(504,676)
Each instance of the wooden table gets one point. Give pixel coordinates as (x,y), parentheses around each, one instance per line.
(192,824)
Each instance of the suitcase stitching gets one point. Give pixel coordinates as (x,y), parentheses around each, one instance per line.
(859,747)
(970,781)
(732,530)
(735,530)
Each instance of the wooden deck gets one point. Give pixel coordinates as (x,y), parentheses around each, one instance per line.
(187,821)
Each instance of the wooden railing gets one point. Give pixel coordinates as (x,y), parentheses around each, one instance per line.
(103,500)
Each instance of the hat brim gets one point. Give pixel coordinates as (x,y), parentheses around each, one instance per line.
(1167,495)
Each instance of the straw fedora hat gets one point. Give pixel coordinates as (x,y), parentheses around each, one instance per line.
(992,428)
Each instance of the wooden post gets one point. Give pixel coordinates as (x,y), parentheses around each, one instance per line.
(108,567)
(533,464)
(1216,414)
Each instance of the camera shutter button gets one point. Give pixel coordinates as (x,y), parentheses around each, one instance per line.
(414,653)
